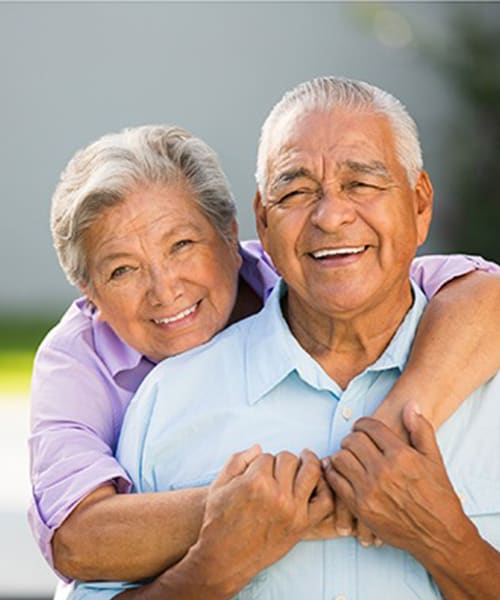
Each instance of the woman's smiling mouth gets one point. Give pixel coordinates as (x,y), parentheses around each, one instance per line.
(179,316)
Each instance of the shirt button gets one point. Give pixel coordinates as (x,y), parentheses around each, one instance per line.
(347,414)
(340,597)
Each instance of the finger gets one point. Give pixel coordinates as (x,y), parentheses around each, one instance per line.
(308,475)
(285,469)
(422,434)
(364,535)
(362,448)
(322,504)
(237,464)
(346,463)
(345,521)
(338,483)
(262,465)
(383,437)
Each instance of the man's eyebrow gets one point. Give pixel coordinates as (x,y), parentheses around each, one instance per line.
(288,176)
(374,167)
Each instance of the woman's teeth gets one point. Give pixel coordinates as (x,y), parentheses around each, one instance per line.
(176,317)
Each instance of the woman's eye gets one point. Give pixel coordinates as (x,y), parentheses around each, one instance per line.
(181,244)
(119,272)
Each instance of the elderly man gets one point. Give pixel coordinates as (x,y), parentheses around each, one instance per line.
(343,205)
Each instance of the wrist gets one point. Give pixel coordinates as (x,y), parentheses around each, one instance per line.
(199,575)
(463,559)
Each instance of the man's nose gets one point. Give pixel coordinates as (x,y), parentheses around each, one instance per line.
(333,210)
(164,285)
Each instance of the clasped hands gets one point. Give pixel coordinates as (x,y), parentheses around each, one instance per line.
(376,487)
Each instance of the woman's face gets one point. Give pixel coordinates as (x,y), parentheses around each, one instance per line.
(162,276)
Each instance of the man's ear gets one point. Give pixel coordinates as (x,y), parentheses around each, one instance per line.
(260,218)
(424,194)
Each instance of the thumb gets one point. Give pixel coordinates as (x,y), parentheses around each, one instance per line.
(420,430)
(237,464)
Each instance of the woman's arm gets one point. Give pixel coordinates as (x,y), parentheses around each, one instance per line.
(127,536)
(455,350)
(85,529)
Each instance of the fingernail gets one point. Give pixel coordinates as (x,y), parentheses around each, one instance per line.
(378,543)
(365,544)
(344,532)
(325,462)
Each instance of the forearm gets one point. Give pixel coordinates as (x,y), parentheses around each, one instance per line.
(466,570)
(455,350)
(190,579)
(128,537)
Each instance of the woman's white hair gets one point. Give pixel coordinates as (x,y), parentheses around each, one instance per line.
(102,174)
(328,93)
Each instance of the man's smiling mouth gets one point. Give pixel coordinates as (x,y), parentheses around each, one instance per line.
(344,251)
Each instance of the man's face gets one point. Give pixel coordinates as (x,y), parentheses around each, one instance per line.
(342,222)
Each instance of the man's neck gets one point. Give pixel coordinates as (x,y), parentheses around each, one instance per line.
(345,345)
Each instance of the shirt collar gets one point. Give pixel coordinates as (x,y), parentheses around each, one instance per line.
(273,353)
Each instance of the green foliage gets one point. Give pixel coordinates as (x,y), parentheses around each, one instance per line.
(19,339)
(470,61)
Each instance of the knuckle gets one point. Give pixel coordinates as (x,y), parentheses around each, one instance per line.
(287,457)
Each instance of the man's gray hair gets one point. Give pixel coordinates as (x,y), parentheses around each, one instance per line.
(328,93)
(102,174)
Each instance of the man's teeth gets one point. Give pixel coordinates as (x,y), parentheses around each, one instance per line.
(177,317)
(337,251)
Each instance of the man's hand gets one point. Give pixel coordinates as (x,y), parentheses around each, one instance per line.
(402,493)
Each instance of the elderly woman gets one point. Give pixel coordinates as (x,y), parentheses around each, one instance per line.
(144,224)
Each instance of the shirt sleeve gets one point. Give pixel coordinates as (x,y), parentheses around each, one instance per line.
(73,434)
(431,272)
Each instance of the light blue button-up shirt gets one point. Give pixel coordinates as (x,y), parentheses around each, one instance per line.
(255,383)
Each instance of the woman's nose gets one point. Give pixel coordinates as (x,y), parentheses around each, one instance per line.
(165,285)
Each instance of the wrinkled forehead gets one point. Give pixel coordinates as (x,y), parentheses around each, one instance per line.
(319,141)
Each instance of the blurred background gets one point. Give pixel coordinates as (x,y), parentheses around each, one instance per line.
(71,72)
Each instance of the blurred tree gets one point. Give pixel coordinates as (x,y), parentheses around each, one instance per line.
(468,57)
(470,61)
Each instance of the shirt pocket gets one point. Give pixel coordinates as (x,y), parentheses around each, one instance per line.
(480,498)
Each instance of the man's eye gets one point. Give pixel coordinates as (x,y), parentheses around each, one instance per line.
(120,271)
(361,185)
(293,194)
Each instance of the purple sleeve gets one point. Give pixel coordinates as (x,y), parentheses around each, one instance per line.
(74,425)
(432,272)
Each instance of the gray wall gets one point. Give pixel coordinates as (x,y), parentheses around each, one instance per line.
(73,71)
